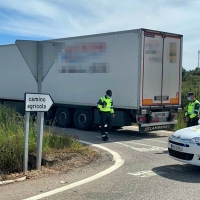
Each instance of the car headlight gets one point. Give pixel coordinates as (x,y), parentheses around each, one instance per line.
(195,140)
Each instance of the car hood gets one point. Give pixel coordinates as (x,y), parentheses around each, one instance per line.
(187,133)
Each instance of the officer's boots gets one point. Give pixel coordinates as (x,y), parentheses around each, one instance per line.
(105,137)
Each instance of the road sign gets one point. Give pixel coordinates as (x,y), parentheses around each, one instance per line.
(35,102)
(33,51)
(30,52)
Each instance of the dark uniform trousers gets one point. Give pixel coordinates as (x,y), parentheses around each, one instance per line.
(105,117)
(193,122)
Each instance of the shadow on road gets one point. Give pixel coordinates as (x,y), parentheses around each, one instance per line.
(115,135)
(131,132)
(182,173)
(164,152)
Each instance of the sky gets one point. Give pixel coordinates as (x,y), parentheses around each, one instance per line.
(50,19)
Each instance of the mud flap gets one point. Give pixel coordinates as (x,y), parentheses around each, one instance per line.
(167,127)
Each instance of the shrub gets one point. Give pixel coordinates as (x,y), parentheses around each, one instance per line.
(12,140)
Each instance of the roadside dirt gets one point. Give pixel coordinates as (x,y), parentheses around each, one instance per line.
(57,163)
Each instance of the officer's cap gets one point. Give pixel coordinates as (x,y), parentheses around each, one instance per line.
(109,93)
(190,94)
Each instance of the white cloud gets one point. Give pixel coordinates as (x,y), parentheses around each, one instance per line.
(66,18)
(31,7)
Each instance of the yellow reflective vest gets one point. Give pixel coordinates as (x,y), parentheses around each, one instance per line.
(192,109)
(108,102)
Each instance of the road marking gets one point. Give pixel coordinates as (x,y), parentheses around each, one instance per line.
(140,138)
(166,131)
(118,163)
(137,149)
(148,139)
(152,147)
(147,173)
(113,140)
(155,140)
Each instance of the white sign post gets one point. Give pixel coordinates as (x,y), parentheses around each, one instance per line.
(35,102)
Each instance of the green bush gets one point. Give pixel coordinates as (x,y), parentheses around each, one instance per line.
(190,83)
(181,122)
(12,140)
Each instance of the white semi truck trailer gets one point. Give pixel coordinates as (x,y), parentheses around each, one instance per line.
(142,67)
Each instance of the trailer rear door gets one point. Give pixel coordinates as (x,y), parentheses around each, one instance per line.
(161,68)
(172,70)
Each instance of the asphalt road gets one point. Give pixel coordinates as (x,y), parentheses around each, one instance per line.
(141,170)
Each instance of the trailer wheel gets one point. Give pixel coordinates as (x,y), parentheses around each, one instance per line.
(82,119)
(63,117)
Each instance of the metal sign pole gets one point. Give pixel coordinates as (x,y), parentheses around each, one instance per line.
(40,141)
(26,137)
(39,116)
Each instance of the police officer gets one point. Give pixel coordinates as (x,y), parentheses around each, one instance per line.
(105,106)
(192,112)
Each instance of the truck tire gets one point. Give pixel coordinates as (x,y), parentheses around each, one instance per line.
(63,117)
(82,119)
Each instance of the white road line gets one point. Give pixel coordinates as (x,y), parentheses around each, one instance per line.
(152,148)
(137,149)
(137,138)
(155,147)
(140,138)
(148,139)
(118,163)
(170,132)
(147,173)
(156,141)
(126,145)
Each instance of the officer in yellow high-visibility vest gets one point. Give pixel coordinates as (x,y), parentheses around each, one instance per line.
(192,112)
(105,106)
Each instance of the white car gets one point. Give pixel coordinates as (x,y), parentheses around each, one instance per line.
(184,145)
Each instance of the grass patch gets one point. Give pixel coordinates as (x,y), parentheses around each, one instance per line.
(12,141)
(181,121)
